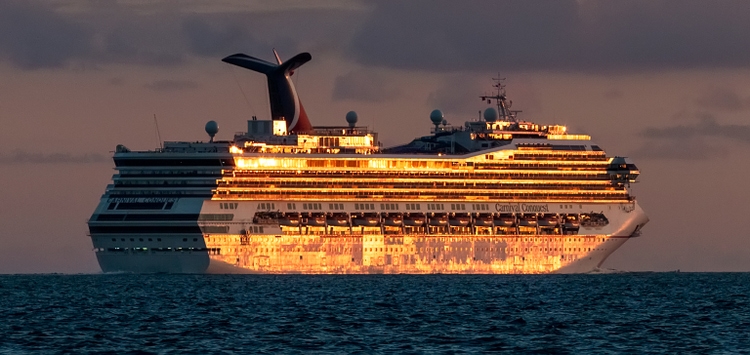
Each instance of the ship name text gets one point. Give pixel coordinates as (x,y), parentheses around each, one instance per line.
(521,208)
(141,199)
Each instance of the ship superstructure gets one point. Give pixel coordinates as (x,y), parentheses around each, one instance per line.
(496,195)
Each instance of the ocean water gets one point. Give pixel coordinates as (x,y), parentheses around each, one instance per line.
(636,313)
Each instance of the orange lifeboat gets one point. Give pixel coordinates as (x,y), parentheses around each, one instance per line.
(289,219)
(505,220)
(549,220)
(484,220)
(338,219)
(529,220)
(571,221)
(460,220)
(393,219)
(415,219)
(315,220)
(366,219)
(439,219)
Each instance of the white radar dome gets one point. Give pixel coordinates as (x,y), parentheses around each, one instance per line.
(490,114)
(212,128)
(436,116)
(351,118)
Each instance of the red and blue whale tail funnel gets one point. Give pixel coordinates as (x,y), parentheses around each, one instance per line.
(285,103)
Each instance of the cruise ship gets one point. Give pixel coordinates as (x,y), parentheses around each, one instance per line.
(497,195)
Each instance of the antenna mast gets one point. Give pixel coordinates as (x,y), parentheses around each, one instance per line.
(158,135)
(501,100)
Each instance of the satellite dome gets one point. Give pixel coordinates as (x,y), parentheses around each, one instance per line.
(490,114)
(351,118)
(212,128)
(436,116)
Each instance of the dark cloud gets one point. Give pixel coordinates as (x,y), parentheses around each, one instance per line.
(255,33)
(42,34)
(139,39)
(724,99)
(22,157)
(219,38)
(459,94)
(33,37)
(36,35)
(364,86)
(707,126)
(559,35)
(702,140)
(474,35)
(172,85)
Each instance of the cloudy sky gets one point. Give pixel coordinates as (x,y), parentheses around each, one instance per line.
(664,82)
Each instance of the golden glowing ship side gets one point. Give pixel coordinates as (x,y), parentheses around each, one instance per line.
(333,203)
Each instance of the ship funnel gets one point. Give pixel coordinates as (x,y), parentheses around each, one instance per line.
(285,104)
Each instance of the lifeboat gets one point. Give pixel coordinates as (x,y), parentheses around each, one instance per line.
(393,219)
(316,220)
(548,220)
(571,222)
(484,220)
(439,219)
(366,219)
(505,220)
(529,220)
(594,220)
(460,220)
(289,220)
(264,218)
(338,219)
(414,219)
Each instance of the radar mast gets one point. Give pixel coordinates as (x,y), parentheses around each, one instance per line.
(501,101)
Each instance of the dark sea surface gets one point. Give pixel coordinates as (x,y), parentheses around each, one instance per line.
(633,313)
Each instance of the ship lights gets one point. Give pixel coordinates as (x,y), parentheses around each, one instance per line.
(248,163)
(569,137)
(235,150)
(267,162)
